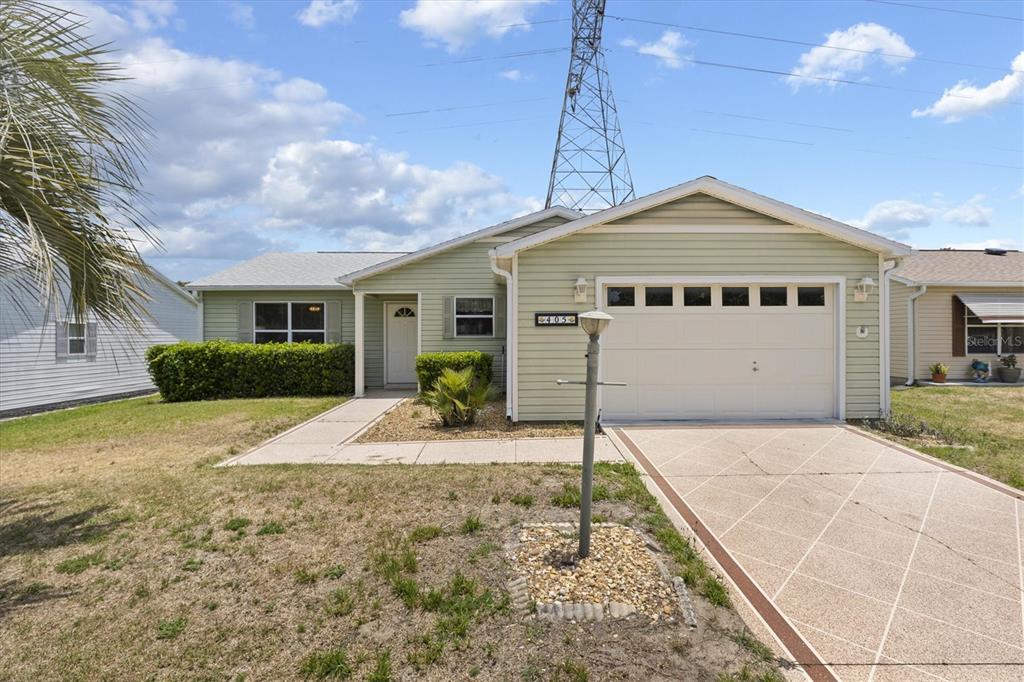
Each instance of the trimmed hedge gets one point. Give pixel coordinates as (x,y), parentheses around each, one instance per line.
(429,366)
(214,370)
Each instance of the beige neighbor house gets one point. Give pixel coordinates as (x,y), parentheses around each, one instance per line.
(955,307)
(727,305)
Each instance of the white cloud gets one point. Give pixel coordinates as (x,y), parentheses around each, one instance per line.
(320,13)
(896,216)
(242,14)
(971,213)
(963,99)
(458,24)
(861,45)
(665,49)
(986,244)
(515,75)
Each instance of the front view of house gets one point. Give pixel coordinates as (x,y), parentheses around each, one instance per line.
(727,305)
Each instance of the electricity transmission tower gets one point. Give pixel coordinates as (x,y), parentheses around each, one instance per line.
(589,171)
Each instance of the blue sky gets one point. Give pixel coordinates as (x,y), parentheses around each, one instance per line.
(276,129)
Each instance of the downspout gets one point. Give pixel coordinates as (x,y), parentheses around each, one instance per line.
(886,269)
(509,312)
(911,332)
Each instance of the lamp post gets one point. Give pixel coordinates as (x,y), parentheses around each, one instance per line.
(593,323)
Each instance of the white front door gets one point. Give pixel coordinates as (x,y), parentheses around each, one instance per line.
(719,352)
(400,341)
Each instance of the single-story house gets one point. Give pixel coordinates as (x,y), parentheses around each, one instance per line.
(953,307)
(49,360)
(727,305)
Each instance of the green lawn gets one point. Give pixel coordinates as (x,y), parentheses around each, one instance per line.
(125,554)
(976,428)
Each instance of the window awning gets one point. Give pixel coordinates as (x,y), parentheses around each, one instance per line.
(991,308)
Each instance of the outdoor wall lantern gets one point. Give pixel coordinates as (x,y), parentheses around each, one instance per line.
(579,290)
(863,288)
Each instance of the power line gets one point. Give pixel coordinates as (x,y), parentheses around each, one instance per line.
(508,55)
(946,9)
(803,43)
(465,106)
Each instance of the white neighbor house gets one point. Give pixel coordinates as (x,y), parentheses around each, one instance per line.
(47,360)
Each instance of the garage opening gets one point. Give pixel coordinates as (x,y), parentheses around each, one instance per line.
(724,351)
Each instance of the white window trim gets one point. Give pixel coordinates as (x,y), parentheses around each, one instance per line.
(456,316)
(289,331)
(998,326)
(83,338)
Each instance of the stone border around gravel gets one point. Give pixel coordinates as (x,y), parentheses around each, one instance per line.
(593,612)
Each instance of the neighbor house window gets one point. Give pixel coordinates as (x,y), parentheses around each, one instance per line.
(290,322)
(621,297)
(696,296)
(773,296)
(76,338)
(474,316)
(657,296)
(995,338)
(735,296)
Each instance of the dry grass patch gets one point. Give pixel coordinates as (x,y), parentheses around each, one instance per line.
(125,555)
(414,421)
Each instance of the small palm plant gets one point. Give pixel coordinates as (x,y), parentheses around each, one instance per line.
(457,397)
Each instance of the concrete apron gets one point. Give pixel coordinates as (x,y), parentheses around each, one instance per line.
(856,558)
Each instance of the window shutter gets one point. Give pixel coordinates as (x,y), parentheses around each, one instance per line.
(61,333)
(333,321)
(499,317)
(90,340)
(245,321)
(448,317)
(959,328)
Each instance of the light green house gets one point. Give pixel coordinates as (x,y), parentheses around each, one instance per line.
(727,305)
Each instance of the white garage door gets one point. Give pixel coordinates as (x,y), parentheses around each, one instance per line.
(739,351)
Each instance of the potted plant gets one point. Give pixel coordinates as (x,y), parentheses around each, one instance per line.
(1009,373)
(939,372)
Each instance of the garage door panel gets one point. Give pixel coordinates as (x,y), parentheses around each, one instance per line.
(793,331)
(794,366)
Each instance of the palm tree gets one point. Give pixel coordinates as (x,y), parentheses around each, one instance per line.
(71,146)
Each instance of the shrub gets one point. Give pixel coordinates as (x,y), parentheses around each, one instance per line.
(939,368)
(215,370)
(430,365)
(457,396)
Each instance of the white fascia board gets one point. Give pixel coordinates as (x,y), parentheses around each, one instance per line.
(161,278)
(491,231)
(726,192)
(268,287)
(940,283)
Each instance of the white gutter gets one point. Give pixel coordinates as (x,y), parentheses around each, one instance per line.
(509,326)
(886,268)
(911,331)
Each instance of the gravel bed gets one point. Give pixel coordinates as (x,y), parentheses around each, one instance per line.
(620,569)
(414,421)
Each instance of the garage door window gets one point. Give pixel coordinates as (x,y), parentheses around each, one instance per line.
(735,296)
(621,297)
(657,296)
(810,296)
(697,296)
(773,296)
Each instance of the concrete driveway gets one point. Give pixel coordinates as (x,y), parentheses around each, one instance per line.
(866,561)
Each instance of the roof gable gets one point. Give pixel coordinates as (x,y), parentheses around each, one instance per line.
(746,204)
(698,208)
(492,231)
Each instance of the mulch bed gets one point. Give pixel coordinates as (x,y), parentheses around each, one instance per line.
(414,421)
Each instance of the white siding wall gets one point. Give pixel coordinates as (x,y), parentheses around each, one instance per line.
(31,375)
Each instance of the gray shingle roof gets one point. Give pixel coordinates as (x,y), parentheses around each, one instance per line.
(291,270)
(946,265)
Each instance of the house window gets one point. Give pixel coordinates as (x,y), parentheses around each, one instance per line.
(657,296)
(735,296)
(621,297)
(994,338)
(696,296)
(288,322)
(773,296)
(76,338)
(474,316)
(810,296)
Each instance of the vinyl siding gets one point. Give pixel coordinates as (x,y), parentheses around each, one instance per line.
(31,376)
(546,272)
(898,296)
(934,336)
(462,271)
(697,209)
(220,309)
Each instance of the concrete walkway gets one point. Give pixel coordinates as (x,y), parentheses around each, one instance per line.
(327,439)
